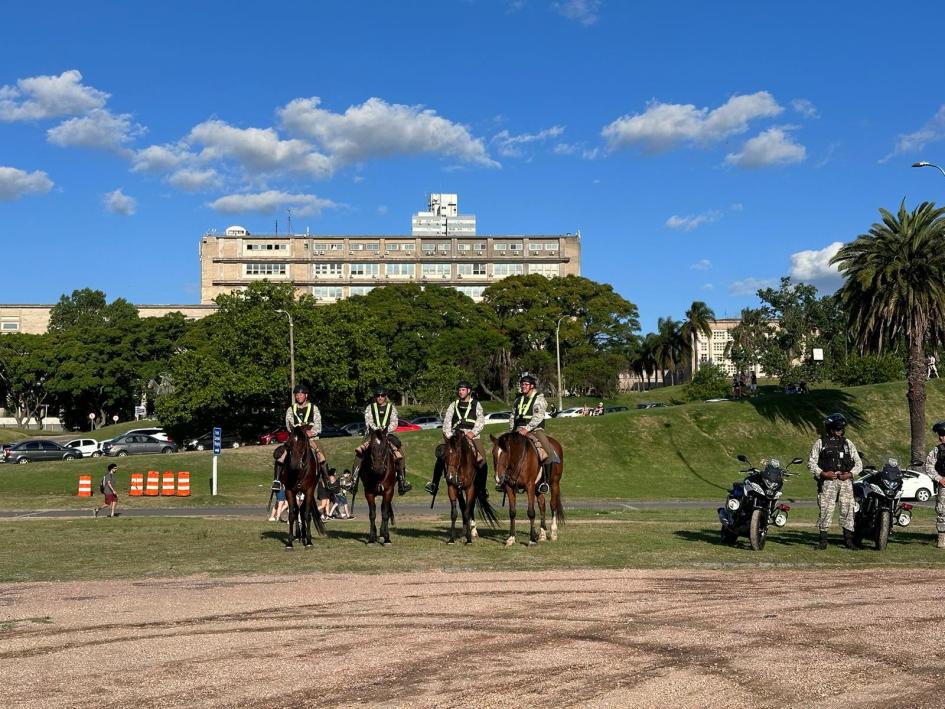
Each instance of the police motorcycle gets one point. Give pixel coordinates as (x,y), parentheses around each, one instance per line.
(877,504)
(752,504)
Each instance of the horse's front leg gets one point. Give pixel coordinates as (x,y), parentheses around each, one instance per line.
(372,514)
(454,503)
(292,512)
(532,534)
(468,513)
(307,522)
(542,531)
(386,504)
(511,495)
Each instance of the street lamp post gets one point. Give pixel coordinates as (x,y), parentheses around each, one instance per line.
(291,347)
(924,163)
(558,357)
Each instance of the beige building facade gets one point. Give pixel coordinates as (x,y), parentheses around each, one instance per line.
(34,318)
(713,349)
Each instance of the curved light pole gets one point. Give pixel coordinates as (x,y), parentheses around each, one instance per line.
(924,163)
(558,356)
(291,347)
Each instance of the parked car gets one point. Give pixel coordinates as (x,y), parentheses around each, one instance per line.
(89,446)
(917,485)
(498,417)
(649,405)
(426,422)
(355,428)
(31,451)
(280,435)
(615,409)
(716,401)
(205,442)
(404,425)
(331,431)
(136,444)
(570,412)
(158,433)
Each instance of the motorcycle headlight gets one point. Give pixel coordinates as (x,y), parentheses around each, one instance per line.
(904,519)
(733,504)
(780,519)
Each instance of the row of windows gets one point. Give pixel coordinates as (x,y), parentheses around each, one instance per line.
(369,270)
(267,247)
(265,269)
(426,246)
(322,293)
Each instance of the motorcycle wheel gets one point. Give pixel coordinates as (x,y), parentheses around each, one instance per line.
(882,530)
(758,531)
(728,536)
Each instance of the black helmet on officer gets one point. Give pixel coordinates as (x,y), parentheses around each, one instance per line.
(835,423)
(527,378)
(463,384)
(300,389)
(380,390)
(939,428)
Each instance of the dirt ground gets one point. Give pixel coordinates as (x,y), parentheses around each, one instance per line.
(596,638)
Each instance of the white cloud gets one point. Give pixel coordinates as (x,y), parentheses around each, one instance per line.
(382,209)
(583,11)
(377,129)
(195,180)
(117,202)
(510,146)
(693,221)
(813,266)
(708,286)
(771,147)
(98,130)
(805,107)
(663,126)
(160,158)
(702,265)
(932,132)
(15,183)
(258,150)
(750,286)
(40,97)
(271,201)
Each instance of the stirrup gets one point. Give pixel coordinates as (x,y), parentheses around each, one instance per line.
(543,488)
(430,488)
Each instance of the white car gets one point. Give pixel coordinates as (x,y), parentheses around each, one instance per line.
(498,417)
(89,446)
(428,422)
(157,433)
(569,413)
(917,486)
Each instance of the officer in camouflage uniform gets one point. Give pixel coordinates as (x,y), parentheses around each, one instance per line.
(465,413)
(834,462)
(935,469)
(381,414)
(528,417)
(304,413)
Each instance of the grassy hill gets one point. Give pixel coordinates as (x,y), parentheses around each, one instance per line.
(679,452)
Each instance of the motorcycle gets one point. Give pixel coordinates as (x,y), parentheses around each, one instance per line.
(752,503)
(877,504)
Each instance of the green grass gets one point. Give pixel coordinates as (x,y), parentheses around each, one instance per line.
(89,549)
(679,452)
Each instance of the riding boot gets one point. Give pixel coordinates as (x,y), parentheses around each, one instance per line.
(434,484)
(543,487)
(822,544)
(940,543)
(403,486)
(849,541)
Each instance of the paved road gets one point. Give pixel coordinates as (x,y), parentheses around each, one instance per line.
(404,507)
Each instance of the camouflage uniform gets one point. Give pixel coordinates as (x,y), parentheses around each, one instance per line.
(308,415)
(528,412)
(457,410)
(829,491)
(934,468)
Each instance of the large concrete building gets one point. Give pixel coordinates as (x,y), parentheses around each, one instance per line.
(442,218)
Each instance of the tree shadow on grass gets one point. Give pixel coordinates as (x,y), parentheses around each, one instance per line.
(807,411)
(682,458)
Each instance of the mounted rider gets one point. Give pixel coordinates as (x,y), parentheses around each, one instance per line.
(304,413)
(381,415)
(528,417)
(467,415)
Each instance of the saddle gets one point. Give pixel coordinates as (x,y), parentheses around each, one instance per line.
(542,453)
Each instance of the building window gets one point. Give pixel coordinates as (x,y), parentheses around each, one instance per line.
(406,247)
(438,270)
(463,247)
(373,246)
(9,326)
(515,247)
(265,269)
(364,270)
(499,247)
(428,247)
(479,246)
(471,269)
(360,290)
(393,247)
(267,247)
(357,247)
(443,248)
(401,270)
(474,292)
(326,269)
(549,270)
(501,270)
(327,292)
(336,247)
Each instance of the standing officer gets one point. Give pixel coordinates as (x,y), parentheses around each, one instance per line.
(381,415)
(466,414)
(528,416)
(834,462)
(935,469)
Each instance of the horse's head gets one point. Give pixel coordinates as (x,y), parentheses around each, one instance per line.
(380,450)
(297,449)
(457,453)
(502,458)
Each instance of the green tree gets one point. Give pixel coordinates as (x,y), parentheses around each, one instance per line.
(88,308)
(750,340)
(26,361)
(698,321)
(894,286)
(709,382)
(671,346)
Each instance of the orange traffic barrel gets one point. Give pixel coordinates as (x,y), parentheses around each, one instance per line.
(85,486)
(167,483)
(183,484)
(152,488)
(137,484)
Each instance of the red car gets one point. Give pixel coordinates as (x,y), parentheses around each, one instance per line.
(280,435)
(403,425)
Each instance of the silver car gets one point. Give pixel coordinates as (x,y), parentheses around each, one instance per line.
(135,444)
(428,422)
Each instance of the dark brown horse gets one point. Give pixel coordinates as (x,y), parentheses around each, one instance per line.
(378,472)
(466,485)
(299,475)
(517,469)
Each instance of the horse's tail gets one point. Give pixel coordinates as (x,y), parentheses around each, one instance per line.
(317,519)
(486,510)
(559,510)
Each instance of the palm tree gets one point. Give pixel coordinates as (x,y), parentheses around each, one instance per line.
(671,347)
(894,286)
(698,321)
(648,358)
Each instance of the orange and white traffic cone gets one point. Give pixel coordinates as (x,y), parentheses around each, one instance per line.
(183,484)
(137,485)
(152,489)
(85,486)
(167,483)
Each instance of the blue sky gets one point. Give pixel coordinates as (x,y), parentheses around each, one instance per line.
(703,149)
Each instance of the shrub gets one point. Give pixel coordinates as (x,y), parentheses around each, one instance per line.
(709,382)
(857,370)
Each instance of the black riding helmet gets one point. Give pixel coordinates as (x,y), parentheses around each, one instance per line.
(939,428)
(835,422)
(528,378)
(300,389)
(380,390)
(463,384)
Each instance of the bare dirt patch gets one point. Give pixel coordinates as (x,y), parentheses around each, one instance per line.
(598,638)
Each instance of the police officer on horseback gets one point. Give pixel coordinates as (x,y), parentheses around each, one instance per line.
(381,415)
(935,469)
(834,462)
(528,418)
(465,414)
(304,413)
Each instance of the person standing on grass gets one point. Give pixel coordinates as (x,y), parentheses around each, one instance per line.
(108,487)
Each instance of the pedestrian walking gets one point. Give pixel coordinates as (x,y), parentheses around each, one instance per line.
(933,370)
(107,488)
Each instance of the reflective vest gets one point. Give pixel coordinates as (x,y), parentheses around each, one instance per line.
(381,421)
(940,460)
(523,410)
(835,455)
(466,419)
(305,417)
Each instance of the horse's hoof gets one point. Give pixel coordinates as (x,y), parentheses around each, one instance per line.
(306,546)
(554,537)
(542,536)
(387,544)
(288,547)
(510,542)
(467,541)
(532,544)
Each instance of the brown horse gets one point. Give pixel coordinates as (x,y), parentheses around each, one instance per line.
(378,472)
(466,485)
(299,475)
(518,468)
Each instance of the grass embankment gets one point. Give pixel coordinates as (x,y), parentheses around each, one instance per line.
(141,548)
(10,435)
(679,452)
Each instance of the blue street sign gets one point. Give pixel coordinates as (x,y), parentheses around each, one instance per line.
(217,435)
